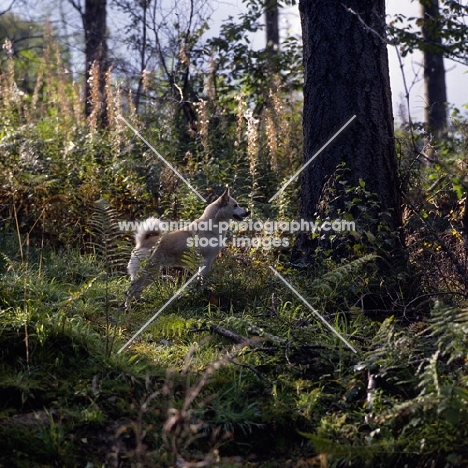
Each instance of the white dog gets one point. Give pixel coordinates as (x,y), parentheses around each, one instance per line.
(207,233)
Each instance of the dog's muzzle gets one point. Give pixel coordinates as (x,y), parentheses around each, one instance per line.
(239,217)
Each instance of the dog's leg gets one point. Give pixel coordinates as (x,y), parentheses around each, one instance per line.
(209,258)
(137,287)
(144,280)
(133,267)
(207,267)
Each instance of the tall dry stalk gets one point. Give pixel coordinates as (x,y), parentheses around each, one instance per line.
(252,139)
(31,112)
(145,84)
(95,96)
(252,153)
(133,114)
(8,88)
(277,127)
(77,103)
(272,138)
(203,120)
(112,112)
(64,104)
(210,81)
(114,109)
(240,119)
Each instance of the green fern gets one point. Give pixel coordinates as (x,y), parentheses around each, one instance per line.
(449,326)
(192,258)
(107,242)
(173,326)
(114,254)
(329,282)
(428,422)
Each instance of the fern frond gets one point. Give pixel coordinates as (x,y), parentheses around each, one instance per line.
(449,326)
(108,243)
(429,381)
(389,348)
(74,296)
(173,326)
(192,258)
(340,275)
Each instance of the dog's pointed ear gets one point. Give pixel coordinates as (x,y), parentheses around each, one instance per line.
(225,196)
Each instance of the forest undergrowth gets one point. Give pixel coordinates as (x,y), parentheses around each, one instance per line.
(238,370)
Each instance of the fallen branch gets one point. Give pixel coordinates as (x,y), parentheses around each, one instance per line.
(235,337)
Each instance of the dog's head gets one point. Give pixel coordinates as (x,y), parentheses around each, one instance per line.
(230,209)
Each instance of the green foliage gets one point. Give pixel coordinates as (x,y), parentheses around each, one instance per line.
(449,25)
(415,407)
(29,44)
(434,179)
(358,206)
(108,245)
(172,326)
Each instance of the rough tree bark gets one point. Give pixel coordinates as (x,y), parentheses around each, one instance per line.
(346,74)
(434,71)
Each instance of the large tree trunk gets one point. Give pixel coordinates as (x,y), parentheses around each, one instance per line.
(94,20)
(346,74)
(434,70)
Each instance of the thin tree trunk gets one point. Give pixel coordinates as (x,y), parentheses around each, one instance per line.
(434,70)
(142,55)
(94,20)
(272,26)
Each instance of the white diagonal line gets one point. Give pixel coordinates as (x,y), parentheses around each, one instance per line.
(311,159)
(168,164)
(346,342)
(177,293)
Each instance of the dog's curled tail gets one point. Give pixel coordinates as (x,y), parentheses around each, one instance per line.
(146,238)
(146,232)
